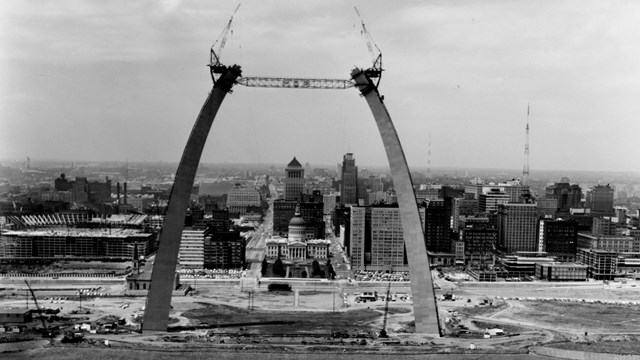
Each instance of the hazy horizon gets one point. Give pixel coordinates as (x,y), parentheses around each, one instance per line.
(54,163)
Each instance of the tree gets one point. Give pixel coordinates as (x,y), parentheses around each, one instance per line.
(315,269)
(278,268)
(263,271)
(332,273)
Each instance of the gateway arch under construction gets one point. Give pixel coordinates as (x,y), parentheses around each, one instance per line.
(158,306)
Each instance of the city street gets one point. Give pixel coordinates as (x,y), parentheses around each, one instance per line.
(340,262)
(256,247)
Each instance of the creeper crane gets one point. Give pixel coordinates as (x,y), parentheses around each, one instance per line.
(215,65)
(375,71)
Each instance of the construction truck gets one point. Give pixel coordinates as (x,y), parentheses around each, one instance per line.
(449,296)
(367,296)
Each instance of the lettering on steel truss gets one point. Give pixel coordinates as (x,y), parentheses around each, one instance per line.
(298,83)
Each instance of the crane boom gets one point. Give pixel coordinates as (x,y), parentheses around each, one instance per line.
(383,332)
(295,83)
(44,324)
(375,71)
(214,62)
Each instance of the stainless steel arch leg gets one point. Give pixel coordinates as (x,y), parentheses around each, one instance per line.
(424,301)
(156,316)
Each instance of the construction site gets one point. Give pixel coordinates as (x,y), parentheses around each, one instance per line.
(476,318)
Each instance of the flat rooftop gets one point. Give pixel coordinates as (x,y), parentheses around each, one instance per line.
(74,232)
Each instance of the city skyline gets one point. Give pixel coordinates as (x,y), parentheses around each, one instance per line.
(93,81)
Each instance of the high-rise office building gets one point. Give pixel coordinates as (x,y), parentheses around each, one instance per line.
(363,190)
(515,190)
(341,220)
(437,232)
(600,199)
(357,235)
(558,238)
(330,202)
(621,214)
(462,207)
(387,241)
(191,253)
(313,213)
(603,226)
(568,196)
(547,207)
(224,250)
(517,227)
(283,211)
(311,208)
(349,174)
(489,200)
(479,239)
(294,180)
(376,239)
(426,192)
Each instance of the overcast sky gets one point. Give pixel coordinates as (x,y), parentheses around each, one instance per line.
(116,80)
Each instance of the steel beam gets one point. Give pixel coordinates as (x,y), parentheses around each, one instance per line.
(424,301)
(156,316)
(294,83)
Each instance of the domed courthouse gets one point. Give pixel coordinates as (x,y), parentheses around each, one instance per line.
(300,245)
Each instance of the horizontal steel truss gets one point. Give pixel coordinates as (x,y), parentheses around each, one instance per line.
(295,83)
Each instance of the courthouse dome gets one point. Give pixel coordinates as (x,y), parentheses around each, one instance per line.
(297,221)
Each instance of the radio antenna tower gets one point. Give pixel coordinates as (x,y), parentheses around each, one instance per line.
(429,160)
(525,168)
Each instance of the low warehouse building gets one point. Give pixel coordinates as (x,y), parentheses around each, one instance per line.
(12,316)
(561,271)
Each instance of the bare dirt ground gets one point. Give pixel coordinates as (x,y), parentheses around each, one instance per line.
(587,316)
(541,315)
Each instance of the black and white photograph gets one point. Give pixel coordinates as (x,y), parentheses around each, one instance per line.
(280,179)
